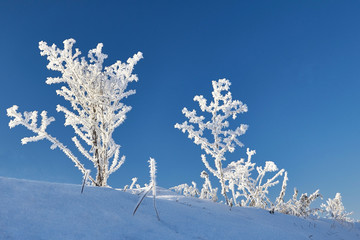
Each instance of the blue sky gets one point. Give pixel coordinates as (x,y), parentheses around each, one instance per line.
(294,63)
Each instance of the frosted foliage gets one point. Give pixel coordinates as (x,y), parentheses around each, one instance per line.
(334,209)
(207,192)
(299,207)
(95,94)
(224,139)
(251,191)
(133,183)
(187,190)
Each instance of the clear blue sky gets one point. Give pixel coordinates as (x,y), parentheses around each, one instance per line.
(296,64)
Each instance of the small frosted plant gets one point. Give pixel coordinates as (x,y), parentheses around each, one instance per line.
(298,207)
(151,186)
(224,139)
(253,191)
(334,209)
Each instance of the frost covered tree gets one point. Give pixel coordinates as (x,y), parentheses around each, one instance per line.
(96,95)
(223,139)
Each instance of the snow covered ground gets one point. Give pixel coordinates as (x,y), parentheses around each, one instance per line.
(33,210)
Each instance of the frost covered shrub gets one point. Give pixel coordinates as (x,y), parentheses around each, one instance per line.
(187,190)
(298,207)
(236,176)
(95,94)
(247,189)
(132,185)
(252,191)
(206,192)
(224,139)
(334,209)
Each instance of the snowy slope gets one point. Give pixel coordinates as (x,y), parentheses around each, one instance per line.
(33,210)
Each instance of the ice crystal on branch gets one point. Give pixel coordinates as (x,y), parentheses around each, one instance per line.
(224,139)
(95,94)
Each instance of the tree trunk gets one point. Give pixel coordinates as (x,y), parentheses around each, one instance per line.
(101,178)
(222,180)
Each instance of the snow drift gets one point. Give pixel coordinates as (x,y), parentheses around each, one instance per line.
(33,210)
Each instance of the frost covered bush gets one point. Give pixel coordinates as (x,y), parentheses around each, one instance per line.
(95,94)
(246,189)
(187,190)
(334,209)
(236,176)
(207,191)
(224,139)
(299,207)
(252,191)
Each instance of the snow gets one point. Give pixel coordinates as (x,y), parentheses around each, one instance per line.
(34,210)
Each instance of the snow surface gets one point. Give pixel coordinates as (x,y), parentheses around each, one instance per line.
(32,210)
